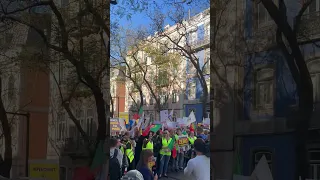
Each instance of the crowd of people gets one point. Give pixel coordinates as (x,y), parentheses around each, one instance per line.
(137,156)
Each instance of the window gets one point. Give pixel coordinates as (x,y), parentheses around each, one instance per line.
(144,99)
(314,69)
(89,121)
(11,88)
(263,15)
(62,127)
(174,97)
(163,98)
(257,155)
(151,117)
(264,88)
(150,100)
(314,169)
(313,7)
(192,91)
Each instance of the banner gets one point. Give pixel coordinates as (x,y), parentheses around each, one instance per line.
(172,125)
(164,116)
(122,124)
(182,122)
(183,140)
(125,116)
(44,169)
(114,125)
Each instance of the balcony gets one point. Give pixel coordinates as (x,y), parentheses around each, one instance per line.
(309,27)
(200,43)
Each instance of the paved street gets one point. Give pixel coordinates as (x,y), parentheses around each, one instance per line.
(177,176)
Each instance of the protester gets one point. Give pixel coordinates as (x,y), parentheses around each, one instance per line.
(148,143)
(173,157)
(165,154)
(133,175)
(115,162)
(129,151)
(199,166)
(180,152)
(157,145)
(200,133)
(145,158)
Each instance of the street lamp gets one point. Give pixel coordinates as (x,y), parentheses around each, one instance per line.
(114,2)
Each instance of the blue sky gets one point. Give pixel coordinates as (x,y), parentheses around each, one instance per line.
(128,18)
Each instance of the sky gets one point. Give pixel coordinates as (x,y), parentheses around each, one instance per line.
(127,18)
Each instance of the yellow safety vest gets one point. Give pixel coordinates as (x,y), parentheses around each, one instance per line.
(130,154)
(122,149)
(149,146)
(192,140)
(165,144)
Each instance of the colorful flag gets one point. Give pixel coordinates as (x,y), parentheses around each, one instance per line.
(140,111)
(192,127)
(171,144)
(99,157)
(153,128)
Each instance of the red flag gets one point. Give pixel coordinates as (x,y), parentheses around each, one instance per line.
(136,116)
(174,152)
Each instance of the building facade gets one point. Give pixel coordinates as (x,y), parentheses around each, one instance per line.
(182,91)
(24,92)
(271,97)
(118,91)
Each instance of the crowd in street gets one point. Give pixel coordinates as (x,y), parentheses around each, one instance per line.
(139,156)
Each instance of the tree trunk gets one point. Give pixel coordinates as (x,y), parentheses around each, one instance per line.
(5,166)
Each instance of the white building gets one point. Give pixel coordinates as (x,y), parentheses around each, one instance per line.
(185,91)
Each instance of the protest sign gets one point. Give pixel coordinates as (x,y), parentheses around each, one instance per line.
(172,125)
(164,115)
(114,125)
(182,122)
(183,140)
(122,123)
(124,115)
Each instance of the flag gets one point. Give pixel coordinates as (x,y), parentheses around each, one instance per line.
(99,157)
(191,118)
(192,127)
(140,111)
(171,144)
(174,152)
(140,120)
(170,115)
(184,133)
(153,128)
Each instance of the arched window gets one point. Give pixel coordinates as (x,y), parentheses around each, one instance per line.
(11,88)
(314,69)
(264,88)
(258,154)
(314,169)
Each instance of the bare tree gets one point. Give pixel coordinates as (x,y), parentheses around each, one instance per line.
(287,40)
(69,36)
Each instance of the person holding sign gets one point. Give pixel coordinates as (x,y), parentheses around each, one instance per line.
(182,142)
(165,154)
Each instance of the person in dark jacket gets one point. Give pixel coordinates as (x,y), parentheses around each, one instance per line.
(157,145)
(138,148)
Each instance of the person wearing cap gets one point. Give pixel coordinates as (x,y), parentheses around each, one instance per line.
(132,175)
